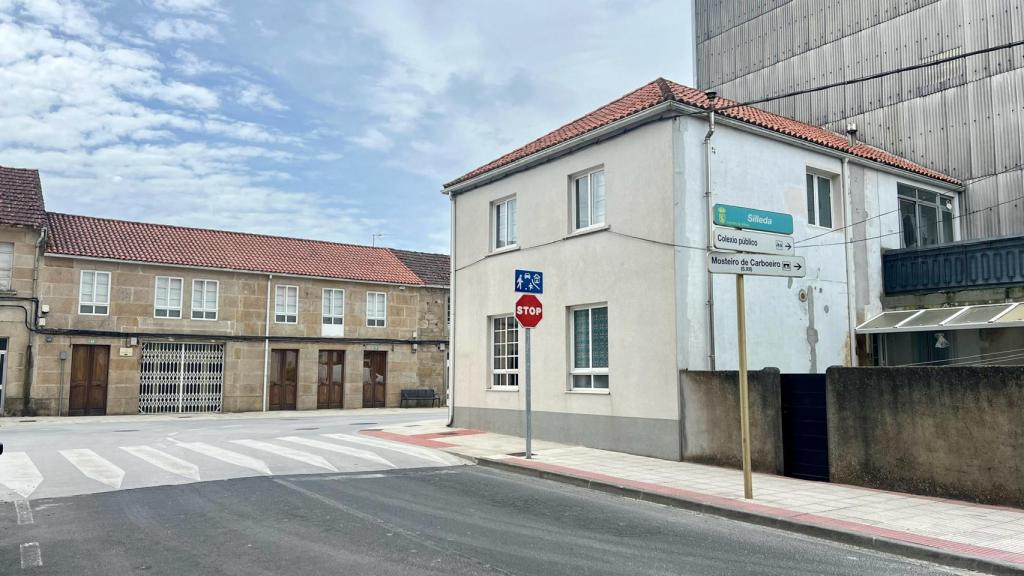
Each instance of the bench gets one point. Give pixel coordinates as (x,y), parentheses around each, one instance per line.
(417,395)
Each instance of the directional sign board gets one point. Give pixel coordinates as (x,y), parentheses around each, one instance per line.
(529,310)
(529,281)
(751,219)
(756,264)
(755,242)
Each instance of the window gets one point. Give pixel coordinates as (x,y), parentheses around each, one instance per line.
(376,309)
(167,303)
(505,347)
(505,223)
(286,304)
(204,299)
(590,348)
(819,200)
(94,293)
(588,200)
(334,306)
(926,217)
(6,265)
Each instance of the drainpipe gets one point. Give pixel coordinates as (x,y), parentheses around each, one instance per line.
(711,95)
(266,349)
(451,314)
(851,301)
(30,365)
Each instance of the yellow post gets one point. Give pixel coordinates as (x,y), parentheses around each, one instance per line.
(741,325)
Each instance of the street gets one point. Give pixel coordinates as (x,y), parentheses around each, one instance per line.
(266,504)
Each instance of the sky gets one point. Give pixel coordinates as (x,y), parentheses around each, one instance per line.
(333,120)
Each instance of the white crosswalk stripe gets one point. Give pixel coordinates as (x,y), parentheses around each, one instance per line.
(19,474)
(164,461)
(94,466)
(416,451)
(228,456)
(286,452)
(354,452)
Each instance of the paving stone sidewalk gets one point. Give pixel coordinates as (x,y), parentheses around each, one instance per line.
(969,535)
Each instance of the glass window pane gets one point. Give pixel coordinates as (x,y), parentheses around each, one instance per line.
(979,314)
(906,191)
(597,196)
(599,332)
(601,381)
(887,320)
(581,338)
(581,381)
(512,230)
(100,309)
(908,223)
(824,202)
(102,287)
(932,317)
(325,306)
(928,220)
(582,203)
(500,225)
(810,200)
(925,196)
(947,226)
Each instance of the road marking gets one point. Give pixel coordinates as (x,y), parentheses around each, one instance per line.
(356,452)
(94,466)
(298,455)
(226,456)
(164,461)
(415,451)
(24,510)
(19,474)
(30,555)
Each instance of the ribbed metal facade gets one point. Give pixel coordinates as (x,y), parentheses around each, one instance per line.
(963,118)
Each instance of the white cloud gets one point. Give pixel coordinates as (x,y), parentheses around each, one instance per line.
(208,8)
(182,29)
(258,97)
(372,139)
(191,65)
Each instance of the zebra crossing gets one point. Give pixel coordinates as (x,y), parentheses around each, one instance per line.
(48,473)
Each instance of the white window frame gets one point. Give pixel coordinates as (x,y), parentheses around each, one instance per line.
(169,309)
(94,305)
(331,320)
(201,309)
(590,371)
(511,223)
(6,266)
(910,193)
(592,221)
(508,373)
(814,219)
(384,319)
(284,315)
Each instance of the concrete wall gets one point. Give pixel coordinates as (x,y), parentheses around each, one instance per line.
(951,432)
(710,419)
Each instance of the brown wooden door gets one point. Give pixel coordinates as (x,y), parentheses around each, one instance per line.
(89,368)
(284,379)
(375,375)
(330,391)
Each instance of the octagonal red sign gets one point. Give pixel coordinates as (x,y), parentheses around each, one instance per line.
(529,310)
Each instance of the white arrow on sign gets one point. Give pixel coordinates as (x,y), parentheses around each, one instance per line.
(755,242)
(756,264)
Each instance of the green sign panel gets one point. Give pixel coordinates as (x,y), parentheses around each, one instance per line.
(740,217)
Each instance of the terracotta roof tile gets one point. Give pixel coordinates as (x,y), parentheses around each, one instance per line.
(661,90)
(86,236)
(21,198)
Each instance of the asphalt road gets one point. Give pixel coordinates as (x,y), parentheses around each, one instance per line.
(444,520)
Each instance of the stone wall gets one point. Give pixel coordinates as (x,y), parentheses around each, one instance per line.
(12,314)
(955,432)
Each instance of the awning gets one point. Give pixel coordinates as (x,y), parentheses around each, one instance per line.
(954,318)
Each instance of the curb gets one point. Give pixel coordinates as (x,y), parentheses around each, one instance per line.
(869,542)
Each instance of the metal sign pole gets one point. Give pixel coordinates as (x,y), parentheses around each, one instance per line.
(741,325)
(529,424)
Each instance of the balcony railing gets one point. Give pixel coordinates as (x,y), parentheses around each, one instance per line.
(956,266)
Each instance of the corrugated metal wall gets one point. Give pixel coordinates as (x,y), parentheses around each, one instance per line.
(962,118)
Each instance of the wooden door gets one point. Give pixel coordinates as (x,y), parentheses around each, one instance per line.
(89,367)
(375,375)
(284,379)
(330,391)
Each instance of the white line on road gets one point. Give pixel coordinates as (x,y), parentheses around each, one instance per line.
(24,510)
(355,452)
(30,555)
(298,455)
(19,474)
(94,466)
(164,461)
(226,456)
(415,451)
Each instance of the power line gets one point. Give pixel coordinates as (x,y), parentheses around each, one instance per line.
(969,358)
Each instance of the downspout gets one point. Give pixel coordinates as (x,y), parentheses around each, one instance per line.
(266,349)
(711,95)
(851,301)
(451,316)
(30,365)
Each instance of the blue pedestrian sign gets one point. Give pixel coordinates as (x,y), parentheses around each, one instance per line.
(751,219)
(529,281)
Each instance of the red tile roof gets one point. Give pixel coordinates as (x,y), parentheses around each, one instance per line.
(661,90)
(86,236)
(21,198)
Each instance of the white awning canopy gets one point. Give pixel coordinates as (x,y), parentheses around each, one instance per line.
(954,318)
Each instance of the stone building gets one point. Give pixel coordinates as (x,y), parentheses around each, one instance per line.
(106,316)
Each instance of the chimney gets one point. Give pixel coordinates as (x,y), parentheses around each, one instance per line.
(851,132)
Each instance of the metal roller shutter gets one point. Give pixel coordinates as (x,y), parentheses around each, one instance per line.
(181,378)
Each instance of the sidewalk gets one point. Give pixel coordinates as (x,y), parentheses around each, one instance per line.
(18,421)
(961,534)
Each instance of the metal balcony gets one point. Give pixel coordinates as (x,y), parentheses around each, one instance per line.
(956,266)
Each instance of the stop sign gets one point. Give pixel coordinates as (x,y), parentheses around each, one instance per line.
(529,310)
